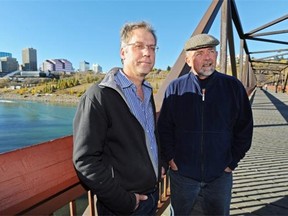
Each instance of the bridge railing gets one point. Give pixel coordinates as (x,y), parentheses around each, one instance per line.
(40,180)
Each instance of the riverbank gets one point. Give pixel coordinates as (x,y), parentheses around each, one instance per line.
(47,98)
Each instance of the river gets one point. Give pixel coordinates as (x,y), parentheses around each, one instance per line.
(25,123)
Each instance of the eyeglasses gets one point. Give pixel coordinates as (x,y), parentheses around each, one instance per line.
(141,46)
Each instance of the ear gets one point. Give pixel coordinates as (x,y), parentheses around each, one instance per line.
(187,60)
(122,53)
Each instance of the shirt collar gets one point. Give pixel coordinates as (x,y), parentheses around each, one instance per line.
(126,83)
(123,80)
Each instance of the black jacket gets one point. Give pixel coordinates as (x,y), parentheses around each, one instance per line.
(110,154)
(205,131)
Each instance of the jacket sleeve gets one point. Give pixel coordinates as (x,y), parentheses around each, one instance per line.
(165,127)
(243,128)
(89,132)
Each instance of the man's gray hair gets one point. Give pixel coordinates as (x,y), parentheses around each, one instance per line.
(126,31)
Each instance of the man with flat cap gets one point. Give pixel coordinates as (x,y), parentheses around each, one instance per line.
(205,127)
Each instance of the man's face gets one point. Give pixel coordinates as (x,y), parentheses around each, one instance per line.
(139,54)
(202,61)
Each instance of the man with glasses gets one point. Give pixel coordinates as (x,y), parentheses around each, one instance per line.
(115,140)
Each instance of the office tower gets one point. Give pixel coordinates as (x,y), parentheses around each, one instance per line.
(97,68)
(8,64)
(5,54)
(84,66)
(29,59)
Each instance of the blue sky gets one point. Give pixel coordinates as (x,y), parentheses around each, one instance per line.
(80,30)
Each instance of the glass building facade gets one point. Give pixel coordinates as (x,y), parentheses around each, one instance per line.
(5,54)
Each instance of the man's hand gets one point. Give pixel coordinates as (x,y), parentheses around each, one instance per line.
(228,170)
(162,172)
(173,165)
(139,197)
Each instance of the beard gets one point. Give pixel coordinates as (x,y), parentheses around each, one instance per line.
(205,72)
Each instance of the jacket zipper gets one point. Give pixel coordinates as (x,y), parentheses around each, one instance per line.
(202,138)
(203,94)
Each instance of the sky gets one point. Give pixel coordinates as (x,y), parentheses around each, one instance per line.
(89,30)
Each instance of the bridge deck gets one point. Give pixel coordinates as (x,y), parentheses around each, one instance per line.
(261,180)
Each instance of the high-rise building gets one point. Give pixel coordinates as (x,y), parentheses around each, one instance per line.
(97,68)
(5,54)
(8,64)
(29,59)
(84,66)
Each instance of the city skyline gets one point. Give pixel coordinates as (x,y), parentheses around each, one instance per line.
(89,30)
(28,62)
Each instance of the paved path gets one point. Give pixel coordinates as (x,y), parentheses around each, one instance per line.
(261,179)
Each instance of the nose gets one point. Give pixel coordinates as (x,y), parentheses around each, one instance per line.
(146,51)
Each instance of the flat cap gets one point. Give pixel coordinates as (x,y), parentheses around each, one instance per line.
(200,41)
